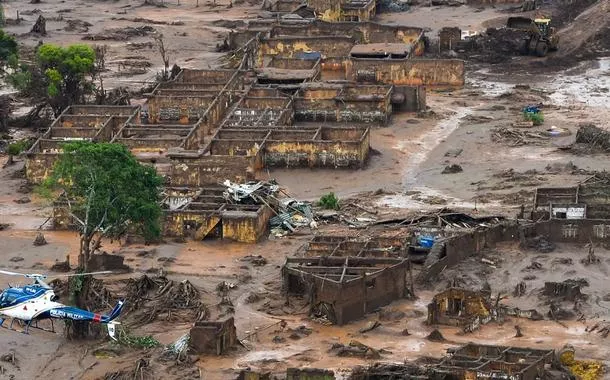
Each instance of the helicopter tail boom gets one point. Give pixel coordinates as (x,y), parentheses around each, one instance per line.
(116,311)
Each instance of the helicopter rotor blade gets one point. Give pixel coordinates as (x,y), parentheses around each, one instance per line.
(12,273)
(81,274)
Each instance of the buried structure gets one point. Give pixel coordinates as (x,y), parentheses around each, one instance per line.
(343,289)
(472,361)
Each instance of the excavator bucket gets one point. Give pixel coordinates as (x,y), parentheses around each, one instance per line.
(522,23)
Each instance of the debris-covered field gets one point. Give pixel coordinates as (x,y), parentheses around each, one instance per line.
(469,232)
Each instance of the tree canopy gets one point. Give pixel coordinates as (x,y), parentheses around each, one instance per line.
(109,193)
(8,48)
(61,74)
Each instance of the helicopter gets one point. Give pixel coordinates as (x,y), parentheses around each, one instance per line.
(32,303)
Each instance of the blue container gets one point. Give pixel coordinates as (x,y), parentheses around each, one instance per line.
(426,241)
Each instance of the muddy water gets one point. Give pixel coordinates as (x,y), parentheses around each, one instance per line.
(575,96)
(592,88)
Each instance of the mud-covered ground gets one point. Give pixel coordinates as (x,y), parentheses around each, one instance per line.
(464,127)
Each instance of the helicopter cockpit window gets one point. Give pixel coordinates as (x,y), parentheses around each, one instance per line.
(6,299)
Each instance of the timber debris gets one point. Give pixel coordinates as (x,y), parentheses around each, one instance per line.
(153,298)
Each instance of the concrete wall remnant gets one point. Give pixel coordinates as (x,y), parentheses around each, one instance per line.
(309,374)
(410,72)
(449,38)
(458,307)
(344,289)
(469,362)
(204,213)
(213,337)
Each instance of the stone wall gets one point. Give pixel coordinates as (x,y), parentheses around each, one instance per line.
(409,72)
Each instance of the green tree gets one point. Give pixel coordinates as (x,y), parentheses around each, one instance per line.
(59,75)
(8,49)
(109,193)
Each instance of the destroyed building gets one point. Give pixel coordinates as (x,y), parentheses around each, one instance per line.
(213,337)
(459,307)
(343,289)
(292,94)
(579,213)
(472,361)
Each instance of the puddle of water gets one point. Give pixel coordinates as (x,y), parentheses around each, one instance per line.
(586,88)
(428,141)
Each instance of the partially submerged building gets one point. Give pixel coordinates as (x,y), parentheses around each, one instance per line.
(301,93)
(579,213)
(344,10)
(213,337)
(343,289)
(469,362)
(460,307)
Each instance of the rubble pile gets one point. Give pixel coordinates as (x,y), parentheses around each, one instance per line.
(391,6)
(494,45)
(515,137)
(121,34)
(289,212)
(390,371)
(540,244)
(160,298)
(141,370)
(99,297)
(357,349)
(592,138)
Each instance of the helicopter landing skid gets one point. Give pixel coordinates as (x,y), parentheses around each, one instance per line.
(27,326)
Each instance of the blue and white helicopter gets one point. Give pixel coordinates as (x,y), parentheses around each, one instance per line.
(32,303)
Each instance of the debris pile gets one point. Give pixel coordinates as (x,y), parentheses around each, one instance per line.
(451,169)
(435,336)
(602,328)
(140,371)
(40,240)
(159,298)
(391,6)
(496,44)
(121,34)
(515,137)
(540,244)
(289,213)
(251,192)
(78,26)
(592,138)
(357,349)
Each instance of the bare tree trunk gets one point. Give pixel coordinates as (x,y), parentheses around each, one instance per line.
(85,252)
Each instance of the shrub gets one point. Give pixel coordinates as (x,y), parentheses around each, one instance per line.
(329,201)
(536,117)
(18,147)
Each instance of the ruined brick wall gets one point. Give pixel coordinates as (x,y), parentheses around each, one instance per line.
(181,109)
(309,374)
(177,223)
(213,337)
(449,38)
(61,216)
(246,226)
(457,248)
(410,72)
(342,110)
(210,170)
(353,299)
(290,47)
(386,287)
(349,154)
(38,166)
(100,110)
(204,76)
(414,98)
(363,32)
(575,231)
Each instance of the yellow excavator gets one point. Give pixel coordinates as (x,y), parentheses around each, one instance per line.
(540,35)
